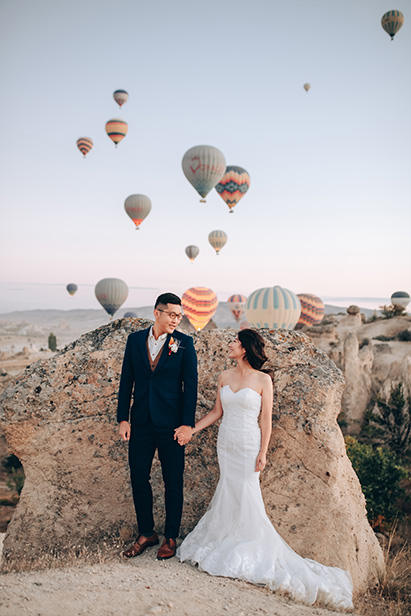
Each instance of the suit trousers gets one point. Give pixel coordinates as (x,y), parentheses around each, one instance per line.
(144,441)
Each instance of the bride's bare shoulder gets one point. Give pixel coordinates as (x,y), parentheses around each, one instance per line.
(225,376)
(265,379)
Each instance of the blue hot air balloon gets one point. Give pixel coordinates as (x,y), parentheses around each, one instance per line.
(273,308)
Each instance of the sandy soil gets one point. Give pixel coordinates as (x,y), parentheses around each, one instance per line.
(142,586)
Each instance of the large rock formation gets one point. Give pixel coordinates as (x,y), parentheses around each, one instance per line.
(370,356)
(59,419)
(357,367)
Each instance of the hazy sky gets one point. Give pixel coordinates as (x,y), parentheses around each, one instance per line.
(328,211)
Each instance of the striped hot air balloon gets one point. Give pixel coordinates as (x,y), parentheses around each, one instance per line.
(199,305)
(233,186)
(137,207)
(217,239)
(306,86)
(120,96)
(84,144)
(392,21)
(111,293)
(400,298)
(71,288)
(192,252)
(116,129)
(236,303)
(312,310)
(273,308)
(203,166)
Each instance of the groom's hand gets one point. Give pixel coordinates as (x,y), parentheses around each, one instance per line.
(183,434)
(125,430)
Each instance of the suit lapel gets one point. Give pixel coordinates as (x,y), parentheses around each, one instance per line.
(143,348)
(164,353)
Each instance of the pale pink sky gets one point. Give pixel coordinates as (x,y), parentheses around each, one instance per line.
(328,211)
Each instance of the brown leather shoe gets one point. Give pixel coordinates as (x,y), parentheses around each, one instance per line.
(167,550)
(140,545)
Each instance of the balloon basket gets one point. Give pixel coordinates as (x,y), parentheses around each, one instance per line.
(203,201)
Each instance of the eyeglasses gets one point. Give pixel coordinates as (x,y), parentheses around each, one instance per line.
(173,315)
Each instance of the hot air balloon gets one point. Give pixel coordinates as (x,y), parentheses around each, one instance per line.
(273,308)
(203,166)
(233,186)
(312,310)
(400,298)
(71,288)
(120,96)
(192,252)
(199,305)
(84,144)
(392,21)
(111,293)
(130,315)
(236,303)
(217,239)
(116,130)
(306,86)
(137,207)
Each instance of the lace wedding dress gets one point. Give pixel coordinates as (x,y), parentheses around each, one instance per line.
(235,538)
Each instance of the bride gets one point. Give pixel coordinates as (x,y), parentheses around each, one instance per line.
(235,537)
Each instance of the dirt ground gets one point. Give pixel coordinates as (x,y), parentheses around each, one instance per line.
(142,586)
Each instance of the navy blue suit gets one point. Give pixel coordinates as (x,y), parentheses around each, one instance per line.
(161,400)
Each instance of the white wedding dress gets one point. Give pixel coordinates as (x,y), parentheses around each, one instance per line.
(235,538)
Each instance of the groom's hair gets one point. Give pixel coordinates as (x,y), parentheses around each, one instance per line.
(167,298)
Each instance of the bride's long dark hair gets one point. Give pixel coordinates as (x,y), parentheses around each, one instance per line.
(253,343)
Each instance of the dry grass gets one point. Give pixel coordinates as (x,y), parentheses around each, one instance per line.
(393,595)
(69,557)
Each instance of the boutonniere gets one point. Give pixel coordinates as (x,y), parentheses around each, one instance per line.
(173,345)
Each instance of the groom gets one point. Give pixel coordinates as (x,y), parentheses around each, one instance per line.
(160,365)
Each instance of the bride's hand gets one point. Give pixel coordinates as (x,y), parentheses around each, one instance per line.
(261,462)
(183,434)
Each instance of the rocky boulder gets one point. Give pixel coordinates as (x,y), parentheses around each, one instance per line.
(357,368)
(59,419)
(370,355)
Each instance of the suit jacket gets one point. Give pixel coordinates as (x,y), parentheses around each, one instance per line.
(167,395)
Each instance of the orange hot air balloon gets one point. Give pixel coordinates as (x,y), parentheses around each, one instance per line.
(236,303)
(116,129)
(233,186)
(312,310)
(84,144)
(199,305)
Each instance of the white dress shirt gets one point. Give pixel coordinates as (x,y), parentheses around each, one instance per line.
(155,346)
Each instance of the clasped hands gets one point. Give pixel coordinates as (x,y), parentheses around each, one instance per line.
(183,434)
